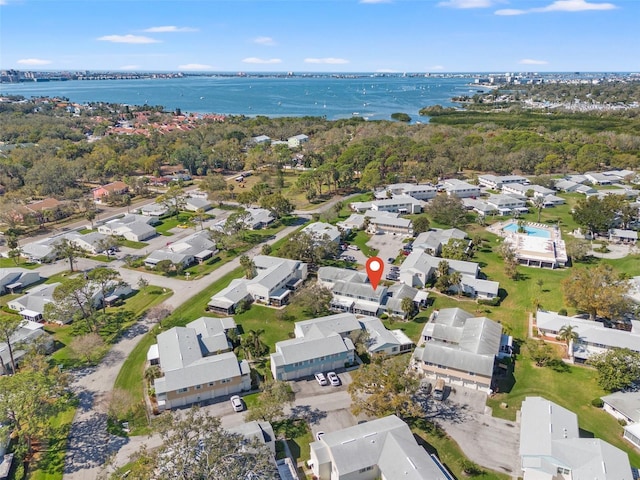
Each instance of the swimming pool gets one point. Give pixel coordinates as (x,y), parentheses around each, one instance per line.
(533,231)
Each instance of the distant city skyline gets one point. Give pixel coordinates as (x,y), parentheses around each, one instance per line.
(392,36)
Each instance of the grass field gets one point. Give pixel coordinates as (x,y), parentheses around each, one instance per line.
(49,465)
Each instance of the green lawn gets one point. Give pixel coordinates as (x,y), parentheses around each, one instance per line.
(10,263)
(361,238)
(183,218)
(137,304)
(49,465)
(573,389)
(131,244)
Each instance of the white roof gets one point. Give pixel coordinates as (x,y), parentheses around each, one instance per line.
(550,438)
(589,331)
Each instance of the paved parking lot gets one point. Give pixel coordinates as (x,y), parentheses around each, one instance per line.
(490,442)
(388,245)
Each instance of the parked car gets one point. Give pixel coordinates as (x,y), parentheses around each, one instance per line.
(391,259)
(321,379)
(319,435)
(334,379)
(353,247)
(236,403)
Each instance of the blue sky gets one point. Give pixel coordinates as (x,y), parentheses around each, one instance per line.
(321,36)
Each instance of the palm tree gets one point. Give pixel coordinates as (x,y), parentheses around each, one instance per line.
(456,280)
(249,266)
(408,307)
(253,345)
(538,203)
(569,335)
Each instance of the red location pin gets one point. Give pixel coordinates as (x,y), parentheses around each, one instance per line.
(375,267)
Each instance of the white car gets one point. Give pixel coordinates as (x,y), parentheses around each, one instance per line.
(321,379)
(334,379)
(236,403)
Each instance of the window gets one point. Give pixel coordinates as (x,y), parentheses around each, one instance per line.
(564,471)
(211,384)
(198,387)
(182,390)
(225,380)
(366,469)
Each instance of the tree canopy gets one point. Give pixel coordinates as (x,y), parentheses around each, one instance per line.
(196,446)
(617,368)
(385,387)
(597,291)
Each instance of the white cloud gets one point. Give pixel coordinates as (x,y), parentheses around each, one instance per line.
(195,66)
(262,61)
(468,3)
(437,67)
(375,1)
(34,61)
(510,11)
(128,39)
(129,67)
(3,2)
(327,61)
(386,70)
(531,61)
(561,6)
(169,29)
(576,6)
(268,41)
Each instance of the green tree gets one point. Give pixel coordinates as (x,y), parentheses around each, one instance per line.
(538,204)
(455,249)
(596,291)
(173,199)
(456,281)
(237,222)
(67,249)
(510,258)
(75,296)
(314,299)
(568,335)
(617,368)
(249,267)
(541,352)
(206,451)
(252,344)
(9,325)
(164,266)
(29,400)
(408,307)
(421,224)
(447,210)
(105,279)
(278,205)
(595,214)
(215,185)
(385,387)
(274,397)
(266,249)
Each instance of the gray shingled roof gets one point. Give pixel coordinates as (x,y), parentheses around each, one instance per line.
(627,403)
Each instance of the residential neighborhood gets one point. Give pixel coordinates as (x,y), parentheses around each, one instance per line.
(503,304)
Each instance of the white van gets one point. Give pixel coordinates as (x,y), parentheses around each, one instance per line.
(438,390)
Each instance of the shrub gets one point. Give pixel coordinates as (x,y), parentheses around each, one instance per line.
(492,302)
(470,468)
(622,422)
(597,402)
(563,312)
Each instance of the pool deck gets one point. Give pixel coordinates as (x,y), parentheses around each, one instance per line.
(532,250)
